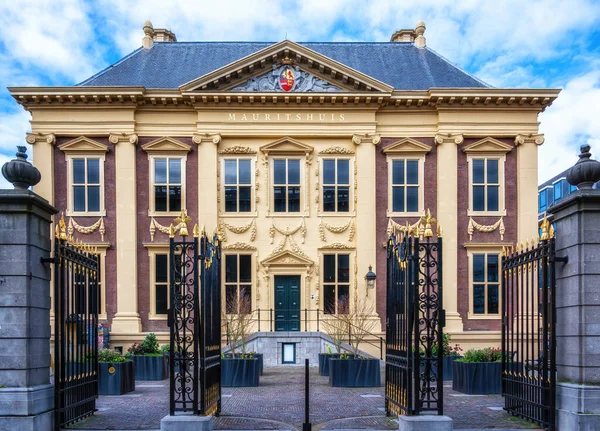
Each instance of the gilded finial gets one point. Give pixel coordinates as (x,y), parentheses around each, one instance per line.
(171,231)
(503,254)
(196,230)
(62,227)
(439,231)
(544,226)
(551,231)
(203,230)
(427,220)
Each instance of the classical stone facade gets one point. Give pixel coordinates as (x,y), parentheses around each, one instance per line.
(303,157)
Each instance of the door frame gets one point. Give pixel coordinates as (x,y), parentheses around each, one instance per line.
(299,277)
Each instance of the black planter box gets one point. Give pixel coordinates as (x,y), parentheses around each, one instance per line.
(324,362)
(448,361)
(121,381)
(354,373)
(477,378)
(151,367)
(258,356)
(239,372)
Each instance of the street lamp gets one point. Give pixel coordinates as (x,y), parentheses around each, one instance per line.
(370,278)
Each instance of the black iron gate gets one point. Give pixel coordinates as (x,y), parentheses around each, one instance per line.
(76,307)
(195,322)
(415,317)
(528,329)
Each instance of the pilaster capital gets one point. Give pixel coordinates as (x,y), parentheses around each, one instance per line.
(33,138)
(199,138)
(529,139)
(455,138)
(374,139)
(115,138)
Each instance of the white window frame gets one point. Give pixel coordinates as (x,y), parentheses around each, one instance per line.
(501,183)
(351,208)
(350,283)
(153,251)
(252,282)
(70,185)
(484,249)
(302,185)
(151,201)
(421,192)
(252,212)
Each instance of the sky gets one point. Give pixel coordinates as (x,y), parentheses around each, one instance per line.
(505,43)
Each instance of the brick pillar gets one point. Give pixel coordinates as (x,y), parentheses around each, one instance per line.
(577,220)
(26,395)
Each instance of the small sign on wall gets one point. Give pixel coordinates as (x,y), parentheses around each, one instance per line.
(288,352)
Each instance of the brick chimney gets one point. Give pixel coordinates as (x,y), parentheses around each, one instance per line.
(411,36)
(152,35)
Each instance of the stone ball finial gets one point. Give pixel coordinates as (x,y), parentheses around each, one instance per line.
(20,172)
(420,28)
(148,29)
(586,172)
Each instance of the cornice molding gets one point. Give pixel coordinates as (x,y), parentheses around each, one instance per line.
(407,145)
(115,138)
(374,139)
(199,138)
(166,144)
(487,145)
(83,144)
(336,150)
(529,139)
(455,138)
(33,138)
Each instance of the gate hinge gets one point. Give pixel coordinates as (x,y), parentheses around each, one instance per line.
(562,259)
(443,318)
(48,259)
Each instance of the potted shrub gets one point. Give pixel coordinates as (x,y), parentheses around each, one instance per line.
(324,359)
(478,372)
(116,374)
(451,354)
(352,369)
(337,329)
(150,363)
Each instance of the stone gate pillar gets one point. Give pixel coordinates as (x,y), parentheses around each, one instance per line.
(577,219)
(26,395)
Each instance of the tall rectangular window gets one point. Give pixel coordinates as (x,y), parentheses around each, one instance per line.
(336,283)
(86,184)
(238,284)
(336,185)
(542,202)
(485,283)
(405,185)
(161,284)
(238,185)
(286,185)
(168,184)
(485,182)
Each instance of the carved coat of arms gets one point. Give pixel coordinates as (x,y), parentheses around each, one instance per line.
(287,79)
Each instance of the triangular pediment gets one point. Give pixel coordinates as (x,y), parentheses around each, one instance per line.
(261,72)
(286,145)
(407,145)
(165,144)
(488,145)
(83,144)
(287,258)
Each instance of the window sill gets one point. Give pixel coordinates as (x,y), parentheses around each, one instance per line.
(337,214)
(301,214)
(250,214)
(163,214)
(70,213)
(472,316)
(471,213)
(406,214)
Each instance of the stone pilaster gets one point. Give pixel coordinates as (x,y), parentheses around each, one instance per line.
(26,395)
(447,217)
(43,159)
(527,180)
(577,220)
(208,161)
(126,320)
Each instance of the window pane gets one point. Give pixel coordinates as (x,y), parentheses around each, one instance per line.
(78,171)
(293,171)
(161,299)
(343,268)
(245,268)
(550,197)
(245,174)
(557,192)
(412,199)
(329,299)
(93,171)
(492,268)
(478,168)
(478,198)
(328,199)
(329,268)
(245,199)
(343,199)
(478,267)
(231,268)
(162,265)
(230,198)
(492,171)
(230,171)
(479,299)
(245,306)
(493,299)
(398,199)
(328,171)
(279,171)
(94,198)
(279,199)
(175,171)
(565,187)
(231,303)
(343,299)
(492,199)
(79,198)
(412,172)
(542,201)
(175,198)
(160,171)
(293,199)
(343,172)
(398,172)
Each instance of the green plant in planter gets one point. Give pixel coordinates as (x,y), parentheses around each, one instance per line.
(447,349)
(148,347)
(489,354)
(111,355)
(165,349)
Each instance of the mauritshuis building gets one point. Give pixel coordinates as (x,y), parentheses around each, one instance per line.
(304,156)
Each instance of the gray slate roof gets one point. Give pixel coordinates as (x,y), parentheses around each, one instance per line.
(172,64)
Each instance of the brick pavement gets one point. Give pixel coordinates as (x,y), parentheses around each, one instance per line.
(278,403)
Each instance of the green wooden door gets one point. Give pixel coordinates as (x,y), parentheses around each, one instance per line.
(287,302)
